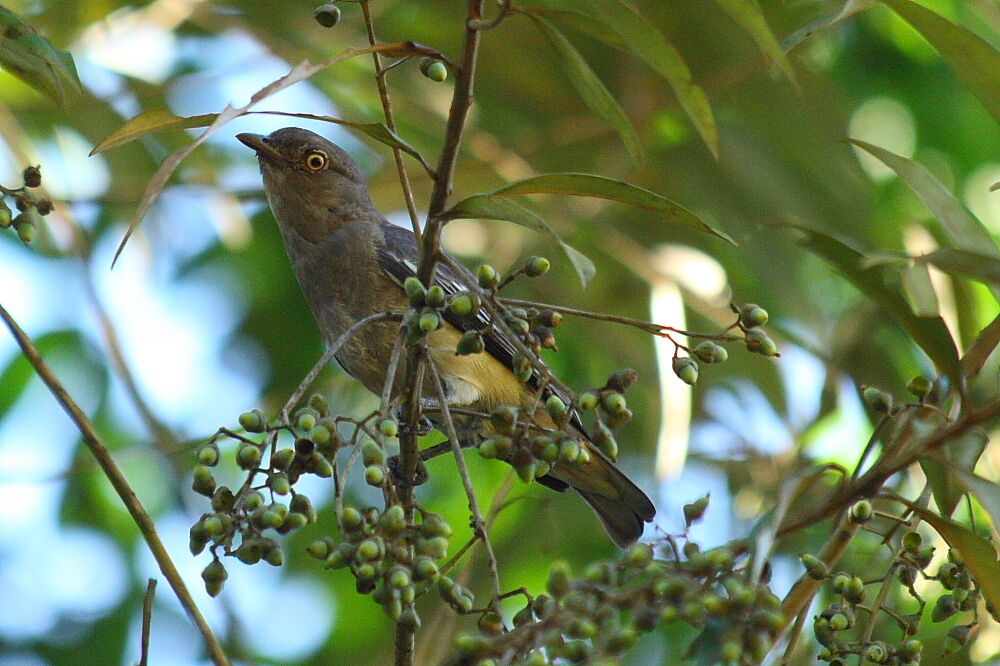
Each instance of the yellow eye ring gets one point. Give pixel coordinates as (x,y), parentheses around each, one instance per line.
(317,160)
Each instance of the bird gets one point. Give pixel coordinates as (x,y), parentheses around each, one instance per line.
(351,262)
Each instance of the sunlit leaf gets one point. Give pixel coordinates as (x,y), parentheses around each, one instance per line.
(748,14)
(488,207)
(155,120)
(975,61)
(987,492)
(589,185)
(653,48)
(32,58)
(980,555)
(919,290)
(963,229)
(930,333)
(593,91)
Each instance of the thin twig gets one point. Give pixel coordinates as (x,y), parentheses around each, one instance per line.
(147,618)
(470,492)
(330,352)
(390,122)
(145,524)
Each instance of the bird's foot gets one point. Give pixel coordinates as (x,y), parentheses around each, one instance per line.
(423,426)
(420,475)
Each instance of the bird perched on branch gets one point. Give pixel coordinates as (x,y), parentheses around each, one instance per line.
(351,262)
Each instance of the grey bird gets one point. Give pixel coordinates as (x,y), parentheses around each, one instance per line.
(351,262)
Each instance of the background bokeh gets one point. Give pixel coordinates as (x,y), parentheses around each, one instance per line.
(205,313)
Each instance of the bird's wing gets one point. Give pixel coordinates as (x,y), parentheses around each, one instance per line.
(398,257)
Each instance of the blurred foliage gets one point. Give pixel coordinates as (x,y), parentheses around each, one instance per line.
(843,292)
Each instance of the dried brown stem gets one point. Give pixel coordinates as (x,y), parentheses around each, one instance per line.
(147,618)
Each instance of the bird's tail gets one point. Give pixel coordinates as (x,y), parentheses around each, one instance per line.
(619,504)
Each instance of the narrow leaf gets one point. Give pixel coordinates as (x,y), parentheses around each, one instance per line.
(585,23)
(155,120)
(974,60)
(850,8)
(978,353)
(33,59)
(987,492)
(930,333)
(593,91)
(980,555)
(748,14)
(982,267)
(965,231)
(487,207)
(919,290)
(589,185)
(941,469)
(652,47)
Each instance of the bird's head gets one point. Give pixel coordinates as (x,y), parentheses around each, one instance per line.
(312,184)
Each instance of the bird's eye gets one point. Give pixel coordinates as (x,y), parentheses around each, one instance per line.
(317,160)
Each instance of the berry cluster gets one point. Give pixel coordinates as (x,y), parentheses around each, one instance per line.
(239,522)
(30,208)
(596,617)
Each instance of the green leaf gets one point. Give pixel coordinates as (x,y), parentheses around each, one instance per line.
(652,47)
(593,91)
(987,492)
(155,120)
(919,290)
(962,228)
(975,61)
(979,352)
(930,333)
(941,470)
(850,8)
(980,555)
(748,15)
(18,373)
(487,207)
(584,22)
(589,185)
(32,58)
(982,267)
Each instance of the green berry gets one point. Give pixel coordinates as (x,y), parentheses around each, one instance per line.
(613,402)
(588,401)
(752,315)
(5,215)
(435,297)
(208,455)
(536,266)
(488,448)
(471,343)
(429,322)
(695,510)
(306,421)
(252,421)
(488,277)
(388,428)
(248,456)
(374,475)
(415,291)
(879,401)
(558,582)
(861,512)
(327,15)
(393,521)
(709,352)
(758,342)
(372,454)
(569,450)
(686,369)
(465,304)
(24,225)
(434,69)
(215,576)
(321,548)
(203,482)
(557,409)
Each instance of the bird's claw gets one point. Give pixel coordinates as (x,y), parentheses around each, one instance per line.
(420,475)
(423,426)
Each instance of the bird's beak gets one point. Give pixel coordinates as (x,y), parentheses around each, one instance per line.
(257,144)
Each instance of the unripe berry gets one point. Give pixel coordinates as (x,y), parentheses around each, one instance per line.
(435,296)
(686,369)
(388,428)
(5,214)
(536,266)
(861,512)
(695,510)
(752,315)
(327,15)
(471,343)
(429,322)
(558,581)
(203,482)
(208,455)
(879,401)
(557,409)
(709,352)
(488,277)
(215,576)
(321,548)
(306,421)
(465,304)
(371,454)
(253,421)
(416,293)
(434,69)
(588,401)
(24,225)
(920,386)
(374,475)
(758,342)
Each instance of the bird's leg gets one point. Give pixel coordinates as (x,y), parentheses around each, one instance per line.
(420,476)
(423,426)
